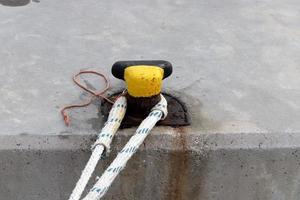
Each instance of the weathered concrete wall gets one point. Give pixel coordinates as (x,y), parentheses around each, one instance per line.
(177,166)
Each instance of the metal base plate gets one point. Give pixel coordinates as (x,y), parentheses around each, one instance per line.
(177,114)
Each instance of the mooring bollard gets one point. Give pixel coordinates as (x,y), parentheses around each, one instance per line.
(143,104)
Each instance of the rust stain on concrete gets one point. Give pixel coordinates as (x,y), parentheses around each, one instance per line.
(178,167)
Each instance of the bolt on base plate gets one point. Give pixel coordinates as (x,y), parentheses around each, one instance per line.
(177,114)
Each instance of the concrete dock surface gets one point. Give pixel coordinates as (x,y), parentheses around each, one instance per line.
(236,67)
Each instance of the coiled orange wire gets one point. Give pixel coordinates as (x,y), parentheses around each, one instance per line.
(98,94)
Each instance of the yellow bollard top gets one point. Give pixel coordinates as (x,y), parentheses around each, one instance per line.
(143,81)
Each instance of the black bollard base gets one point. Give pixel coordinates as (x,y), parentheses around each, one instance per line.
(139,108)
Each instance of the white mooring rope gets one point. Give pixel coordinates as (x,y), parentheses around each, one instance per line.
(111,126)
(157,113)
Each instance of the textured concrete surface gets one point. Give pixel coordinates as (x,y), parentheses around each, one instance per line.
(236,66)
(182,167)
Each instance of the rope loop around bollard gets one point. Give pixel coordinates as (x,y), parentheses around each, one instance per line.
(116,114)
(159,111)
